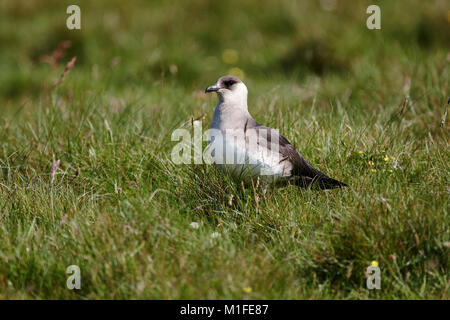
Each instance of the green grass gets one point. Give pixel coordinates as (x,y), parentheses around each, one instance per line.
(121,210)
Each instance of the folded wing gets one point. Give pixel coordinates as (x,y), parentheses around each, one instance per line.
(302,173)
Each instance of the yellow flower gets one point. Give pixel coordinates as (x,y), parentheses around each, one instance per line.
(371,163)
(173,68)
(230,56)
(374,263)
(386,159)
(390,170)
(237,72)
(247,289)
(374,170)
(361,152)
(393,158)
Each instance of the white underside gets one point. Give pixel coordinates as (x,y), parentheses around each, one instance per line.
(246,157)
(246,162)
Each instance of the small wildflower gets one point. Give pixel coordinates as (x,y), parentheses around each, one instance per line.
(393,158)
(374,170)
(247,289)
(386,159)
(230,199)
(237,72)
(371,163)
(230,56)
(390,170)
(374,263)
(63,220)
(92,152)
(194,225)
(361,152)
(55,166)
(173,68)
(215,235)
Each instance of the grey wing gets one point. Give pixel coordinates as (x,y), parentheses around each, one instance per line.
(302,173)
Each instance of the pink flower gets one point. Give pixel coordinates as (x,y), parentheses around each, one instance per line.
(55,166)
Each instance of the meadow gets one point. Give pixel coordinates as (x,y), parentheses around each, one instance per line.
(87,179)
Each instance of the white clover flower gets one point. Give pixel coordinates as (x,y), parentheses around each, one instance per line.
(215,235)
(194,225)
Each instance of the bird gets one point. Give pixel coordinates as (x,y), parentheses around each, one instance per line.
(249,151)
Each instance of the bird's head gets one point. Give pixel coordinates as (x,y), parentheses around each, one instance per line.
(230,89)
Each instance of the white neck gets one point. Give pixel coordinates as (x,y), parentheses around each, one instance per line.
(237,96)
(231,111)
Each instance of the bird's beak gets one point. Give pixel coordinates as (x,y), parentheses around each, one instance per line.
(212,88)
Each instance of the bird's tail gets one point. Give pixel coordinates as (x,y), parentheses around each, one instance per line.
(321,180)
(325,182)
(329,183)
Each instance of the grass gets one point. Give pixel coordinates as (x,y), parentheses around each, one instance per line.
(362,106)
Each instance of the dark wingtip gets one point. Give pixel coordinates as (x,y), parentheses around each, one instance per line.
(323,182)
(342,184)
(329,183)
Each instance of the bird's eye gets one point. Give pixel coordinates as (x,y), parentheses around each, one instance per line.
(229,83)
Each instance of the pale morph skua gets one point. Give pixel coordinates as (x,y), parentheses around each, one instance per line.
(281,164)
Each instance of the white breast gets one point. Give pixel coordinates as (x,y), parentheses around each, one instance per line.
(244,160)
